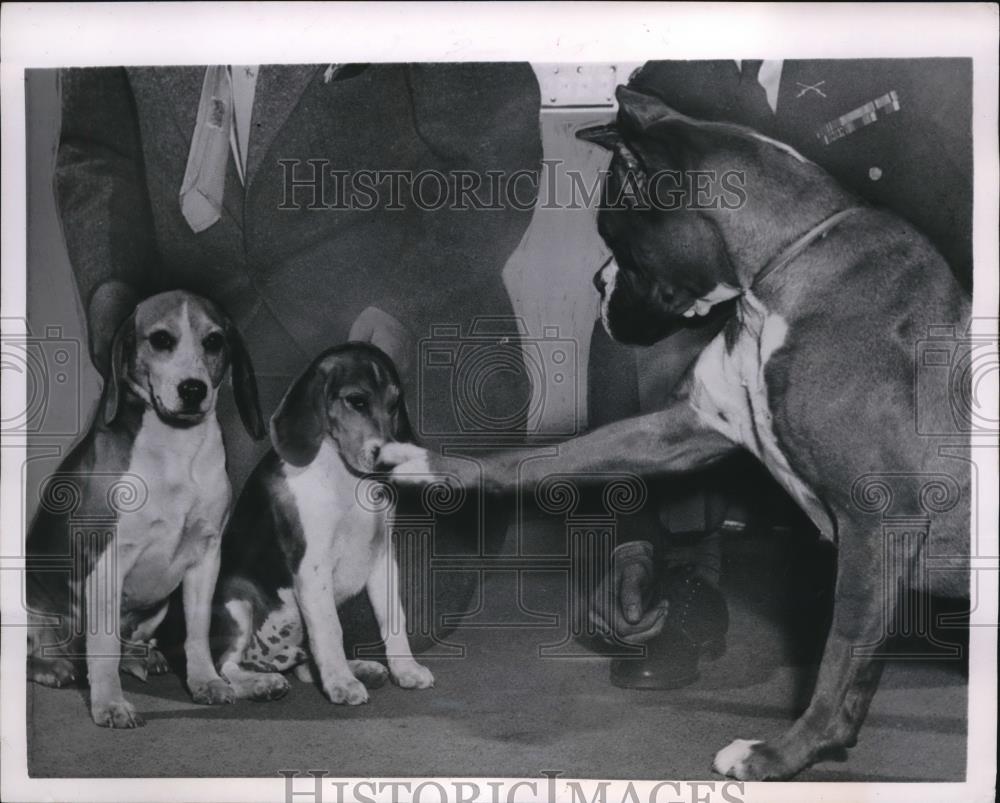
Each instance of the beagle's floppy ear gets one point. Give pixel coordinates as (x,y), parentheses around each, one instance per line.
(121,351)
(244,383)
(298,426)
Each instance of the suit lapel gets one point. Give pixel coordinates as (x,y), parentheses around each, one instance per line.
(279,88)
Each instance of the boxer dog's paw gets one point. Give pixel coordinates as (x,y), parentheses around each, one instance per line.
(753,760)
(346,691)
(411,675)
(211,692)
(115,714)
(732,759)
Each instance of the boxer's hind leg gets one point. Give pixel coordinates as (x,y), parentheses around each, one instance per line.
(866,599)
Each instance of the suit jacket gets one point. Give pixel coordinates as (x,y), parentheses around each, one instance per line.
(295,278)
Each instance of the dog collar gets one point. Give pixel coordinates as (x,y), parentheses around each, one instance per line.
(801,244)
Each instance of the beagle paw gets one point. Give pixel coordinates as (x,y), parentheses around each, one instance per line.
(54,672)
(371,673)
(268,686)
(346,691)
(116,714)
(142,666)
(411,675)
(211,692)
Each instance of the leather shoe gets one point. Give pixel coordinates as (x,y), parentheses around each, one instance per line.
(696,626)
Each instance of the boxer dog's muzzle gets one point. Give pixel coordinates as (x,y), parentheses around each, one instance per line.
(670,180)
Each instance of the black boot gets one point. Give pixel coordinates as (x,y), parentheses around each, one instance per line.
(697,621)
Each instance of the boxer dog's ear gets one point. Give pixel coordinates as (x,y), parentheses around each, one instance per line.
(641,113)
(630,166)
(298,426)
(607,136)
(610,137)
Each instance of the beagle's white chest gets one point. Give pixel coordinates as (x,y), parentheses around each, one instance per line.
(342,520)
(187,500)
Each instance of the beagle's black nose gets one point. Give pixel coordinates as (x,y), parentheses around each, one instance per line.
(192,391)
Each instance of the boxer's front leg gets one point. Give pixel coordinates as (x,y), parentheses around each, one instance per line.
(673,440)
(203,681)
(870,585)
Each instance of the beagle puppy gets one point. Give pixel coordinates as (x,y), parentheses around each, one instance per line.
(152,471)
(309,531)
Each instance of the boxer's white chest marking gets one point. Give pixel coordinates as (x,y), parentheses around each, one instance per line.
(730,395)
(342,535)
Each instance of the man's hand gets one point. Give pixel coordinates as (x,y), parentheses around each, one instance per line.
(624,608)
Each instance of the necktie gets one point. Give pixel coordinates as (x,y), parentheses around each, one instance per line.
(205,174)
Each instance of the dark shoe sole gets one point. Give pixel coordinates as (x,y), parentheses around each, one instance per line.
(658,675)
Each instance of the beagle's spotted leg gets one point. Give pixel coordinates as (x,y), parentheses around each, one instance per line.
(240,667)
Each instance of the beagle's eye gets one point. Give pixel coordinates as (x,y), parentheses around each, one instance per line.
(358,402)
(162,340)
(213,342)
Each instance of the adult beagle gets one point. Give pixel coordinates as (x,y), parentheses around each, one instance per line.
(153,469)
(309,531)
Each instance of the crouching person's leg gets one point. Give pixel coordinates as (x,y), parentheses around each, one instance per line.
(664,579)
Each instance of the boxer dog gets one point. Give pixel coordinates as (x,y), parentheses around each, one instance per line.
(814,373)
